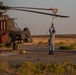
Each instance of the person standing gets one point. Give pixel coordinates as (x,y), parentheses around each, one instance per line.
(13,36)
(19,37)
(51,39)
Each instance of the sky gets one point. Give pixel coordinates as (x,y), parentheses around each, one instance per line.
(38,24)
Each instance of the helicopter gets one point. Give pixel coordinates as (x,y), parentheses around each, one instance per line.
(7,26)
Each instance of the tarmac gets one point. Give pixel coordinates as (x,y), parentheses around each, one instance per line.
(34,53)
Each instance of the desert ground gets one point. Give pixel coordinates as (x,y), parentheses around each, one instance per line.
(35,52)
(65,40)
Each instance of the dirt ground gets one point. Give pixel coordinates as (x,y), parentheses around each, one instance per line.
(38,54)
(57,40)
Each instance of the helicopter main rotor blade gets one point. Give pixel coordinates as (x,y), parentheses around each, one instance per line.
(32,8)
(41,13)
(7,8)
(35,8)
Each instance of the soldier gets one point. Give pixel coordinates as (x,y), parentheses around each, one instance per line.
(19,37)
(13,36)
(51,40)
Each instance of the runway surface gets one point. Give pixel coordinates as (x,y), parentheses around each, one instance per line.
(39,54)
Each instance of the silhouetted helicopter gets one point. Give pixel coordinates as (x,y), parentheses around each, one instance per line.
(7,26)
